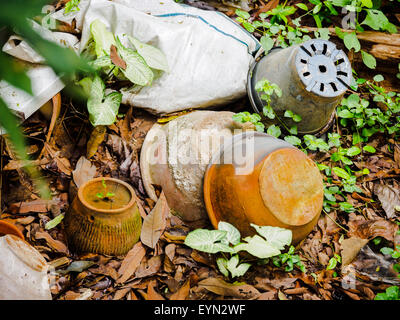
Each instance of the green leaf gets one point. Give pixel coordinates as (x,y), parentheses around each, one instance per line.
(296,118)
(232,234)
(222,264)
(376,19)
(332,264)
(137,70)
(393,292)
(102,112)
(154,57)
(86,84)
(379,78)
(353,151)
(63,60)
(55,222)
(302,6)
(341,173)
(351,41)
(368,59)
(277,237)
(293,130)
(102,38)
(367,3)
(14,74)
(243,14)
(340,33)
(235,269)
(267,43)
(369,149)
(289,114)
(248,26)
(9,122)
(293,140)
(345,113)
(258,247)
(208,241)
(102,62)
(274,131)
(72,6)
(317,8)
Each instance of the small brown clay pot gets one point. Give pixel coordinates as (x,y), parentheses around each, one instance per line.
(99,223)
(283,187)
(8,228)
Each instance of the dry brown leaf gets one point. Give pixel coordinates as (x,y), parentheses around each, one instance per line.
(120,294)
(350,249)
(269,295)
(41,205)
(152,294)
(54,244)
(389,198)
(19,164)
(105,270)
(63,164)
(275,282)
(222,288)
(182,293)
(294,291)
(96,139)
(116,59)
(26,220)
(154,224)
(84,171)
(149,267)
(369,229)
(131,262)
(170,251)
(397,154)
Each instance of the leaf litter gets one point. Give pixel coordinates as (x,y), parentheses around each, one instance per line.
(160,266)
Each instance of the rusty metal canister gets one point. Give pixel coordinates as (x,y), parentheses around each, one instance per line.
(265,181)
(313,77)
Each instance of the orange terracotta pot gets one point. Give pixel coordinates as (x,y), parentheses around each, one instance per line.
(8,228)
(108,226)
(283,188)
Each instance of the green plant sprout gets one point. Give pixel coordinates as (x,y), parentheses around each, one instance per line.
(269,242)
(108,195)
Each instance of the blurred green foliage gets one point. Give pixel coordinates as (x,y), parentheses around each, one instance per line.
(15,15)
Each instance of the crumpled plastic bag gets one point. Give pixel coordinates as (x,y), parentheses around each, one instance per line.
(209,55)
(45,83)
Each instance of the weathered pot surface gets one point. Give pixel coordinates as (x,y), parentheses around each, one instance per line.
(23,271)
(313,77)
(8,228)
(175,157)
(279,186)
(103,218)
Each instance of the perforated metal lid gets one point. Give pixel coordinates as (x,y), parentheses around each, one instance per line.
(323,69)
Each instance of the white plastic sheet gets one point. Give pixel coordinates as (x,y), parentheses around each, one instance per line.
(45,83)
(209,55)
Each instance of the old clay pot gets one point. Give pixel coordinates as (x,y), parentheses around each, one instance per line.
(110,226)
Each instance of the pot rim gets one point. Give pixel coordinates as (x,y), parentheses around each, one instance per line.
(16,231)
(250,92)
(110,211)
